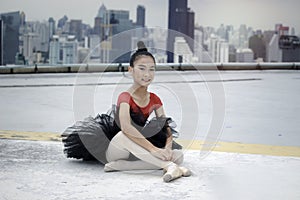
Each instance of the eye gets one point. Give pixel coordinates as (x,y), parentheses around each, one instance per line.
(142,68)
(152,69)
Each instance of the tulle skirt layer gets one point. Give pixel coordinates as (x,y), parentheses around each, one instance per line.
(89,139)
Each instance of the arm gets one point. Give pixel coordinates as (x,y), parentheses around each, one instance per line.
(132,133)
(160,113)
(129,130)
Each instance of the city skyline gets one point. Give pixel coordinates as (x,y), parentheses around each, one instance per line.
(262,14)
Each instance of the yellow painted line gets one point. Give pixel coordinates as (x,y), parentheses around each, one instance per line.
(236,147)
(220,146)
(28,135)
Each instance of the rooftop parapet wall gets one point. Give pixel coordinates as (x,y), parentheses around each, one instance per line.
(119,67)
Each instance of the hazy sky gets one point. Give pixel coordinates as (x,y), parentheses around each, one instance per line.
(259,14)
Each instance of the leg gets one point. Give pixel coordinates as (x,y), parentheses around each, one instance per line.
(125,165)
(178,159)
(177,156)
(121,145)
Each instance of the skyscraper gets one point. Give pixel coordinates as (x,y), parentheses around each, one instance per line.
(51,27)
(54,50)
(140,16)
(257,44)
(181,20)
(62,22)
(182,51)
(11,25)
(99,21)
(1,42)
(69,48)
(76,29)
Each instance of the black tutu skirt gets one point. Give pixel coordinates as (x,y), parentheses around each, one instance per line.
(89,139)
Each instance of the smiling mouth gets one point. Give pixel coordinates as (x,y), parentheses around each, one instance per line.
(147,80)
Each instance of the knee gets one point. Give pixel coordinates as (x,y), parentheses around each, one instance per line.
(120,137)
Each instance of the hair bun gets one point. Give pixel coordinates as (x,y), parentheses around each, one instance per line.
(141,47)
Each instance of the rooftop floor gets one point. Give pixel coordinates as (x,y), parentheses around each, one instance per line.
(251,116)
(39,170)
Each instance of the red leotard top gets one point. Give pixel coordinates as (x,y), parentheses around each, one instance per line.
(153,104)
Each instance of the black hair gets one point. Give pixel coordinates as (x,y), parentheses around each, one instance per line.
(141,51)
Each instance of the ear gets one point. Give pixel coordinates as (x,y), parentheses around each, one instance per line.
(130,69)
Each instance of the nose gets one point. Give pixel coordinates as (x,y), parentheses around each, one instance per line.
(146,73)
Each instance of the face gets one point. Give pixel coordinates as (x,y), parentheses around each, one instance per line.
(143,71)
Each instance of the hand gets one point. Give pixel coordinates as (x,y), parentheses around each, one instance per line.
(163,154)
(169,146)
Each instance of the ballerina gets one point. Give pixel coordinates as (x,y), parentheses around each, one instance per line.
(134,106)
(124,139)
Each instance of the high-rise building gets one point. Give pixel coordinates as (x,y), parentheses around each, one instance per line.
(190,27)
(83,54)
(54,50)
(69,48)
(231,53)
(274,52)
(257,44)
(198,46)
(229,32)
(181,20)
(267,36)
(35,39)
(111,22)
(61,22)
(223,54)
(30,42)
(64,50)
(51,22)
(283,30)
(244,55)
(283,47)
(243,37)
(221,31)
(292,31)
(94,45)
(213,48)
(23,18)
(1,42)
(97,26)
(218,50)
(140,16)
(76,29)
(119,20)
(290,46)
(43,37)
(11,24)
(99,21)
(291,55)
(182,51)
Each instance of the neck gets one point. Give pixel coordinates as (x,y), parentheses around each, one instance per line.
(139,90)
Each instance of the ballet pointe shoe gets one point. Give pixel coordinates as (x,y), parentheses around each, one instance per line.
(173,172)
(109,167)
(185,171)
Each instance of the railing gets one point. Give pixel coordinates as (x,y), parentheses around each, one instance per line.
(118,67)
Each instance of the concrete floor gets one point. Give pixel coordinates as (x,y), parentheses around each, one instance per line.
(39,170)
(249,107)
(260,107)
